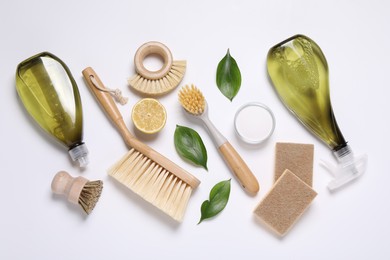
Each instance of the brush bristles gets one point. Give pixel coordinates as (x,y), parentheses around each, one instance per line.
(90,195)
(153,183)
(192,99)
(160,86)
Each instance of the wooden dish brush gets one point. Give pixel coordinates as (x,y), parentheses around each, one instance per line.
(78,190)
(143,170)
(194,103)
(159,82)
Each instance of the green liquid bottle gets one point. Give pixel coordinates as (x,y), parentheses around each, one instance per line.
(50,95)
(299,72)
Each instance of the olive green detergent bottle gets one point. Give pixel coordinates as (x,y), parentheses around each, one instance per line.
(50,95)
(299,73)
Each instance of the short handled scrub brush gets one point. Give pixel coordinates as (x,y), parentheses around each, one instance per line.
(78,190)
(162,81)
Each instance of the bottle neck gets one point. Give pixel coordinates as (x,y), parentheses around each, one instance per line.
(343,153)
(79,153)
(340,146)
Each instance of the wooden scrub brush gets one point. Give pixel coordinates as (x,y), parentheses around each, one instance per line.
(193,101)
(143,170)
(78,190)
(159,82)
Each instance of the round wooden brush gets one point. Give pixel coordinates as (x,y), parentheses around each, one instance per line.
(158,82)
(193,101)
(78,190)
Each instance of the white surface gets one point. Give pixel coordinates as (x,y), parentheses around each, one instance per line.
(351,224)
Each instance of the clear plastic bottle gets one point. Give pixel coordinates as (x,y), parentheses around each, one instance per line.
(299,72)
(50,95)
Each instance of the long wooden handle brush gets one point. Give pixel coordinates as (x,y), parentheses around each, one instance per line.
(193,101)
(143,170)
(78,190)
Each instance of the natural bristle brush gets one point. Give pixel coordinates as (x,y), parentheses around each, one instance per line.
(143,170)
(158,82)
(193,101)
(78,190)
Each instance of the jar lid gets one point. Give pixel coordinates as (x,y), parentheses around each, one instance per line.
(254,123)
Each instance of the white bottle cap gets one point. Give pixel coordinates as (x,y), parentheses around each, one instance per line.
(79,153)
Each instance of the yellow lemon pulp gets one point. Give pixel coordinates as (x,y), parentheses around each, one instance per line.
(149,115)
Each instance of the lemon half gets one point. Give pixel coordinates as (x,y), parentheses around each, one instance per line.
(149,115)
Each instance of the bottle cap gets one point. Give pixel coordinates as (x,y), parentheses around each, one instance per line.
(79,153)
(254,123)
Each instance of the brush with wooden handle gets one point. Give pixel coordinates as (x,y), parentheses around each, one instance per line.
(143,170)
(193,101)
(162,81)
(78,190)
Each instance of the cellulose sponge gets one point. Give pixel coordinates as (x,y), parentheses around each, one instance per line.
(285,203)
(298,158)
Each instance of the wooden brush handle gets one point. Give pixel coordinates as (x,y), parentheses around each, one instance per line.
(150,48)
(242,172)
(108,104)
(64,184)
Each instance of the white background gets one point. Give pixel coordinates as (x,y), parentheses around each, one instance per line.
(350,224)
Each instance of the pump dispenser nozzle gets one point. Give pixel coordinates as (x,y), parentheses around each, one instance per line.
(348,168)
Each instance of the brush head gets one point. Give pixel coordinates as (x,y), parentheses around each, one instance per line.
(158,87)
(152,182)
(192,100)
(90,195)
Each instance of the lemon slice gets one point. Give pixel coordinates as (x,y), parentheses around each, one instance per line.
(149,115)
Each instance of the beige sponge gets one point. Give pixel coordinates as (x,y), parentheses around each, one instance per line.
(298,158)
(285,203)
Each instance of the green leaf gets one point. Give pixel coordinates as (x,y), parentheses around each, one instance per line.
(219,197)
(228,76)
(189,145)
